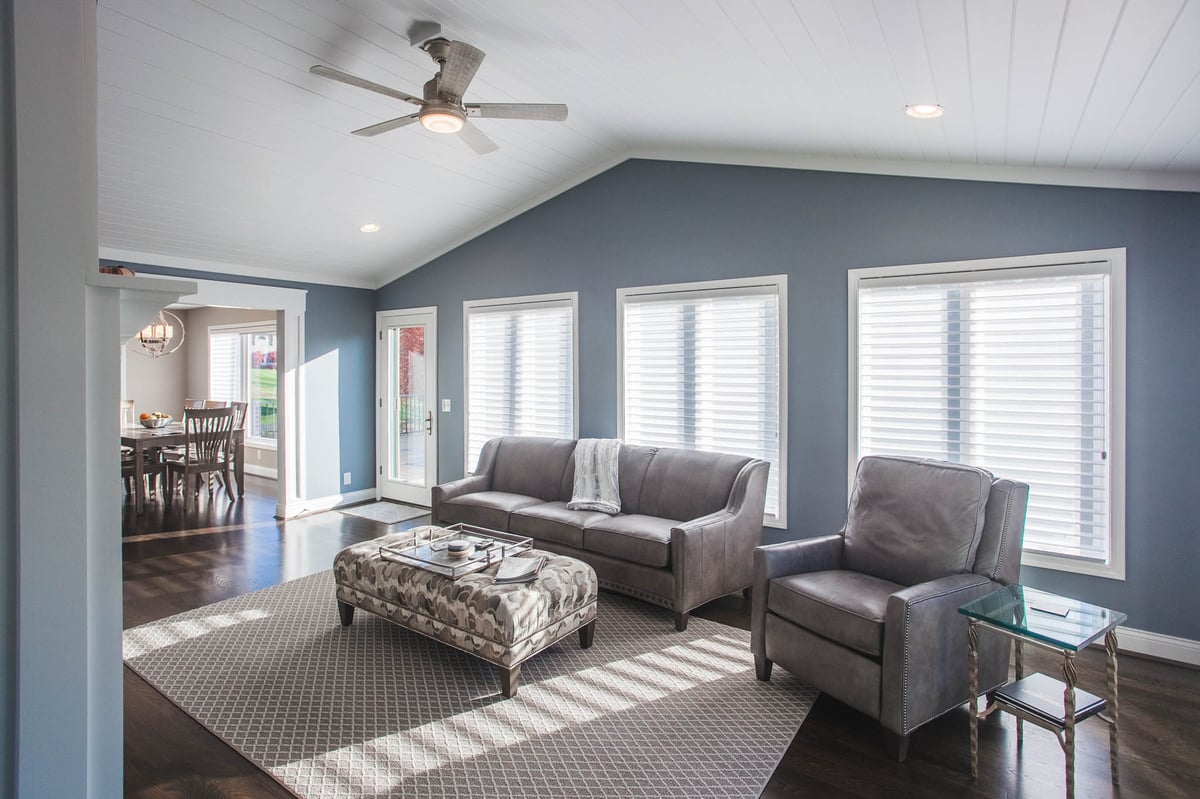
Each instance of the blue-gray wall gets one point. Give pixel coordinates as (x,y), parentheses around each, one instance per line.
(336,320)
(649,222)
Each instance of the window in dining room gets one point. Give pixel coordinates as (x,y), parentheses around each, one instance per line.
(241,367)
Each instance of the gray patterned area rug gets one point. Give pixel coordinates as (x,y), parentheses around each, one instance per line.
(373,710)
(386,512)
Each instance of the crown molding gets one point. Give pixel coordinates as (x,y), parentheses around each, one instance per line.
(235,270)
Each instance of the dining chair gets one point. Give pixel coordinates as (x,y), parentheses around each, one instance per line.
(128,418)
(189,403)
(233,453)
(216,404)
(206,445)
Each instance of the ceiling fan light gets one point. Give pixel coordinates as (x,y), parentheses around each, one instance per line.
(923,110)
(441,120)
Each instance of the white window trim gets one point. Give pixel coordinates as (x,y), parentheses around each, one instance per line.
(1115,258)
(249,327)
(733,287)
(517,304)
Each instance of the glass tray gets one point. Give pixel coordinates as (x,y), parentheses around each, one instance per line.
(431,555)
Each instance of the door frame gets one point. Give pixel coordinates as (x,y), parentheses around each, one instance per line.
(428,315)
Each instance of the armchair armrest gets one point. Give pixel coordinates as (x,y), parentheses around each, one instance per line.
(447,491)
(925,650)
(712,555)
(777,560)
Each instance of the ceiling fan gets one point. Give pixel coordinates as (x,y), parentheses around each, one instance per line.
(441,107)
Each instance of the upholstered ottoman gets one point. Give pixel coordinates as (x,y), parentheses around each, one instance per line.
(504,624)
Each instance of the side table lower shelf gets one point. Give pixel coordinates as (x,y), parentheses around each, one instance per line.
(1038,699)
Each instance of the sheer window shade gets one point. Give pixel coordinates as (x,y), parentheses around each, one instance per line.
(1010,374)
(520,372)
(225,366)
(702,371)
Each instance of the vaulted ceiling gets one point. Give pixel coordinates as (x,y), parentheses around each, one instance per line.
(219,150)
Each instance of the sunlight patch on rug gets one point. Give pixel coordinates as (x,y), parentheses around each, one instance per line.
(374,710)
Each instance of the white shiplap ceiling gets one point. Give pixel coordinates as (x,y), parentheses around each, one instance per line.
(218,149)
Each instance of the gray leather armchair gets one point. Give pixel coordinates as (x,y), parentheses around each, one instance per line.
(870,615)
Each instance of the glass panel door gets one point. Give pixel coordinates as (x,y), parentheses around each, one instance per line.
(407,445)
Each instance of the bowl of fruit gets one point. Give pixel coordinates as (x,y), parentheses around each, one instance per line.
(154,420)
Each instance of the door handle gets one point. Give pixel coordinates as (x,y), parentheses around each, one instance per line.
(429,423)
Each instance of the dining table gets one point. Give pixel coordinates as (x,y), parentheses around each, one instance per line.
(142,439)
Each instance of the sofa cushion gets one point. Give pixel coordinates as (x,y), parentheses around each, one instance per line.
(531,466)
(632,537)
(551,521)
(911,521)
(687,484)
(845,607)
(489,509)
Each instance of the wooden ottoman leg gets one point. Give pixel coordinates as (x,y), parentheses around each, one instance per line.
(345,613)
(508,680)
(586,633)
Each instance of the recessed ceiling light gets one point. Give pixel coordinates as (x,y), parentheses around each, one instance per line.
(370,227)
(923,110)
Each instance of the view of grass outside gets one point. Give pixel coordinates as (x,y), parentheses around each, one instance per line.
(263,404)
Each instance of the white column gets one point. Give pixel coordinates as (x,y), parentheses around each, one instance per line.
(69,705)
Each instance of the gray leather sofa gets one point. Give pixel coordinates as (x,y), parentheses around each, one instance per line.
(686,533)
(870,615)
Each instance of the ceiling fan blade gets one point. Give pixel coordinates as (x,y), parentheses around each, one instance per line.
(384,127)
(477,140)
(363,83)
(462,61)
(542,112)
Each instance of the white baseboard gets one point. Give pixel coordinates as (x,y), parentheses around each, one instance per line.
(300,507)
(260,471)
(1167,647)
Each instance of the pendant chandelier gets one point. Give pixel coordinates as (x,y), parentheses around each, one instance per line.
(162,336)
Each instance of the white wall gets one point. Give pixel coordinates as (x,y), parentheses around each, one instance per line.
(157,384)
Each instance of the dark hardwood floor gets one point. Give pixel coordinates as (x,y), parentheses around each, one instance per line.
(173,563)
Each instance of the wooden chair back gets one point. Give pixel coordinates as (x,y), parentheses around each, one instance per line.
(239,414)
(190,403)
(206,431)
(128,419)
(216,404)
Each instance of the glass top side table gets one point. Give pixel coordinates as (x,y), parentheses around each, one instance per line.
(1059,624)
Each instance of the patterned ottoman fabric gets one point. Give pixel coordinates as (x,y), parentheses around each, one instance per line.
(503,624)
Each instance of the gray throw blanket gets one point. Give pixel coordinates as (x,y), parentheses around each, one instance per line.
(596,485)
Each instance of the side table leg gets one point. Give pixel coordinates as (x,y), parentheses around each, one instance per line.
(973,687)
(1019,663)
(1110,644)
(1068,670)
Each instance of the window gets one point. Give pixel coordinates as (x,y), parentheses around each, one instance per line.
(1014,365)
(520,369)
(702,366)
(241,367)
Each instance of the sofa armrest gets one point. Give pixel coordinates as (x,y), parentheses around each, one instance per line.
(712,555)
(447,491)
(777,560)
(925,650)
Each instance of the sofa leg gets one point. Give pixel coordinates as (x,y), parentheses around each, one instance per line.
(586,633)
(508,680)
(897,744)
(681,621)
(746,592)
(345,613)
(762,668)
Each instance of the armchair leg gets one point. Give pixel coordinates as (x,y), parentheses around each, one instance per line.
(897,744)
(681,621)
(762,668)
